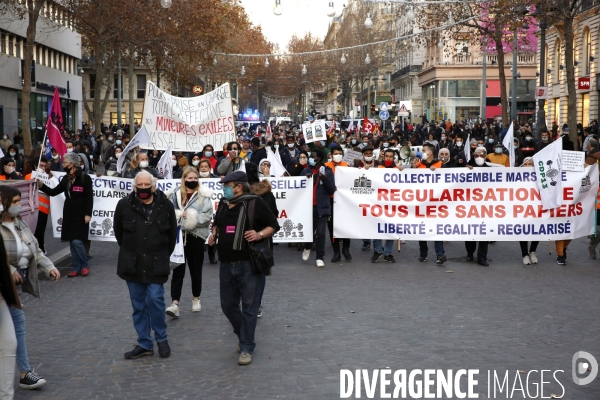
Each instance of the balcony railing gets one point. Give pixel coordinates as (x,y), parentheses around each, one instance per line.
(470,59)
(406,70)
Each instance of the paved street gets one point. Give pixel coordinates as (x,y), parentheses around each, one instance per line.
(407,315)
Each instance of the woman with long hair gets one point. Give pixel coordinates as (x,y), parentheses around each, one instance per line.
(194,211)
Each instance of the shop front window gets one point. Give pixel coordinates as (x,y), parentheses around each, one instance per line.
(585,109)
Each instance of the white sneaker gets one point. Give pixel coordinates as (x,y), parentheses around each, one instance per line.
(306,255)
(526,260)
(533,257)
(196,306)
(320,264)
(173,310)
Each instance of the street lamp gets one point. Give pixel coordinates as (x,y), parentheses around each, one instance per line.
(304,71)
(343,59)
(540,122)
(330,10)
(367,59)
(277,10)
(166,3)
(368,21)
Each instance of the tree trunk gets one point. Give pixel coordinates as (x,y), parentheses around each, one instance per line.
(33,12)
(572,95)
(502,75)
(131,97)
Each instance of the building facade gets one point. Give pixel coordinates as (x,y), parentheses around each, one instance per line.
(56,57)
(587,68)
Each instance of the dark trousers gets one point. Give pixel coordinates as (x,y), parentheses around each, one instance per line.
(482,249)
(438,246)
(532,249)
(239,283)
(319,224)
(194,256)
(212,251)
(335,243)
(40,230)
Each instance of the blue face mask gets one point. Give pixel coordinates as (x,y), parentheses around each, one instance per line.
(227,192)
(118,142)
(323,143)
(312,162)
(208,153)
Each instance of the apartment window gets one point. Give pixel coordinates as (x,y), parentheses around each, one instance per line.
(557,61)
(92,84)
(116,85)
(18,47)
(11,45)
(587,50)
(556,111)
(141,86)
(43,51)
(585,109)
(3,39)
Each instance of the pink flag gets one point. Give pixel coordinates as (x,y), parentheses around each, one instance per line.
(55,125)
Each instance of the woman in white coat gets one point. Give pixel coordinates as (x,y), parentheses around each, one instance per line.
(194,211)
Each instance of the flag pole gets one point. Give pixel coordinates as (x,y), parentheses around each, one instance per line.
(44,145)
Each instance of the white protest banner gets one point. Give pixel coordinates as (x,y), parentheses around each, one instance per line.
(188,123)
(573,160)
(141,138)
(547,164)
(487,204)
(293,196)
(509,143)
(164,166)
(350,156)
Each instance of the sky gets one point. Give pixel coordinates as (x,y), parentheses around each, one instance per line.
(299,17)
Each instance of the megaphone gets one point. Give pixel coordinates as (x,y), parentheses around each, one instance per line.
(404,152)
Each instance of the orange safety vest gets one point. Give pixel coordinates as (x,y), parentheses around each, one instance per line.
(437,164)
(43,199)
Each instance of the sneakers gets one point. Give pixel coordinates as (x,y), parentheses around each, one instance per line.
(470,257)
(389,259)
(376,257)
(346,254)
(164,350)
(173,310)
(238,348)
(561,260)
(85,271)
(336,257)
(31,381)
(422,258)
(366,247)
(592,252)
(526,260)
(260,312)
(441,259)
(196,306)
(306,254)
(245,358)
(72,274)
(483,262)
(533,257)
(320,264)
(137,352)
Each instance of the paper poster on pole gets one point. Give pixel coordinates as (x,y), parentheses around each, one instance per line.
(293,197)
(482,204)
(351,155)
(307,131)
(188,123)
(573,160)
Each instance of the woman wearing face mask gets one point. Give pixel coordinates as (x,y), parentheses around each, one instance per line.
(110,167)
(154,158)
(232,162)
(13,152)
(264,169)
(208,154)
(7,170)
(478,159)
(297,168)
(25,257)
(195,161)
(205,173)
(498,157)
(529,257)
(458,152)
(194,211)
(77,210)
(528,147)
(108,143)
(4,143)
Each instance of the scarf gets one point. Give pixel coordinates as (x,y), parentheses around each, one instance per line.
(238,239)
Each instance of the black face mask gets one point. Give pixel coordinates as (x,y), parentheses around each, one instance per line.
(191,184)
(143,194)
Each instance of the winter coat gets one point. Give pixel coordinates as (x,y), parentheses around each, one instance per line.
(287,159)
(259,154)
(199,211)
(79,202)
(263,189)
(323,190)
(226,166)
(31,284)
(145,244)
(8,290)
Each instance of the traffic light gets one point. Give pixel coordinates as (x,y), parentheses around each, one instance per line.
(372,109)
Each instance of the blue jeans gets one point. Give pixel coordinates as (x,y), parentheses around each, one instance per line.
(438,245)
(238,282)
(79,256)
(319,225)
(261,288)
(378,246)
(18,317)
(148,302)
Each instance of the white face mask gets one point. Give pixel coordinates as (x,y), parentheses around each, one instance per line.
(173,163)
(143,164)
(195,163)
(291,145)
(426,155)
(56,157)
(69,150)
(117,155)
(337,158)
(204,174)
(458,144)
(368,159)
(480,161)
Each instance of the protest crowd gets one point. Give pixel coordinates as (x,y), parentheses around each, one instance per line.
(149,223)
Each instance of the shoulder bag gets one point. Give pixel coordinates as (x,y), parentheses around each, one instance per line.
(261,254)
